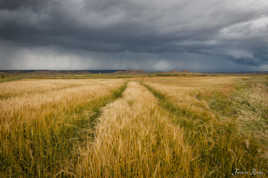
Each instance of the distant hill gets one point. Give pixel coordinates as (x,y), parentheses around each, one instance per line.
(177,71)
(130,72)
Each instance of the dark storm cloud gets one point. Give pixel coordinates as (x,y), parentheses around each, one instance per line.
(16,4)
(163,33)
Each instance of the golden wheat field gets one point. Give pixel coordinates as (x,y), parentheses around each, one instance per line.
(173,126)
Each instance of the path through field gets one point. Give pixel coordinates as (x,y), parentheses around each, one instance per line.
(135,138)
(145,134)
(139,127)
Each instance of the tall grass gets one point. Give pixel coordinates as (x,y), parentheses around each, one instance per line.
(145,146)
(247,103)
(31,87)
(217,145)
(46,146)
(135,139)
(110,129)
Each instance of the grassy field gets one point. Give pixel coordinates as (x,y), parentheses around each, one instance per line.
(134,126)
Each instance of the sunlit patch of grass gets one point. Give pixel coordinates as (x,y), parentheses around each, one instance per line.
(31,87)
(172,127)
(47,146)
(145,146)
(136,140)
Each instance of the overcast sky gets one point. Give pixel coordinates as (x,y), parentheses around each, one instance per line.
(197,35)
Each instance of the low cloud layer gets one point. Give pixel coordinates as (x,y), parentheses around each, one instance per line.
(134,34)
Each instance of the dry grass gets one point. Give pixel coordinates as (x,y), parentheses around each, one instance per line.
(28,107)
(36,132)
(180,90)
(29,87)
(135,139)
(211,118)
(170,127)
